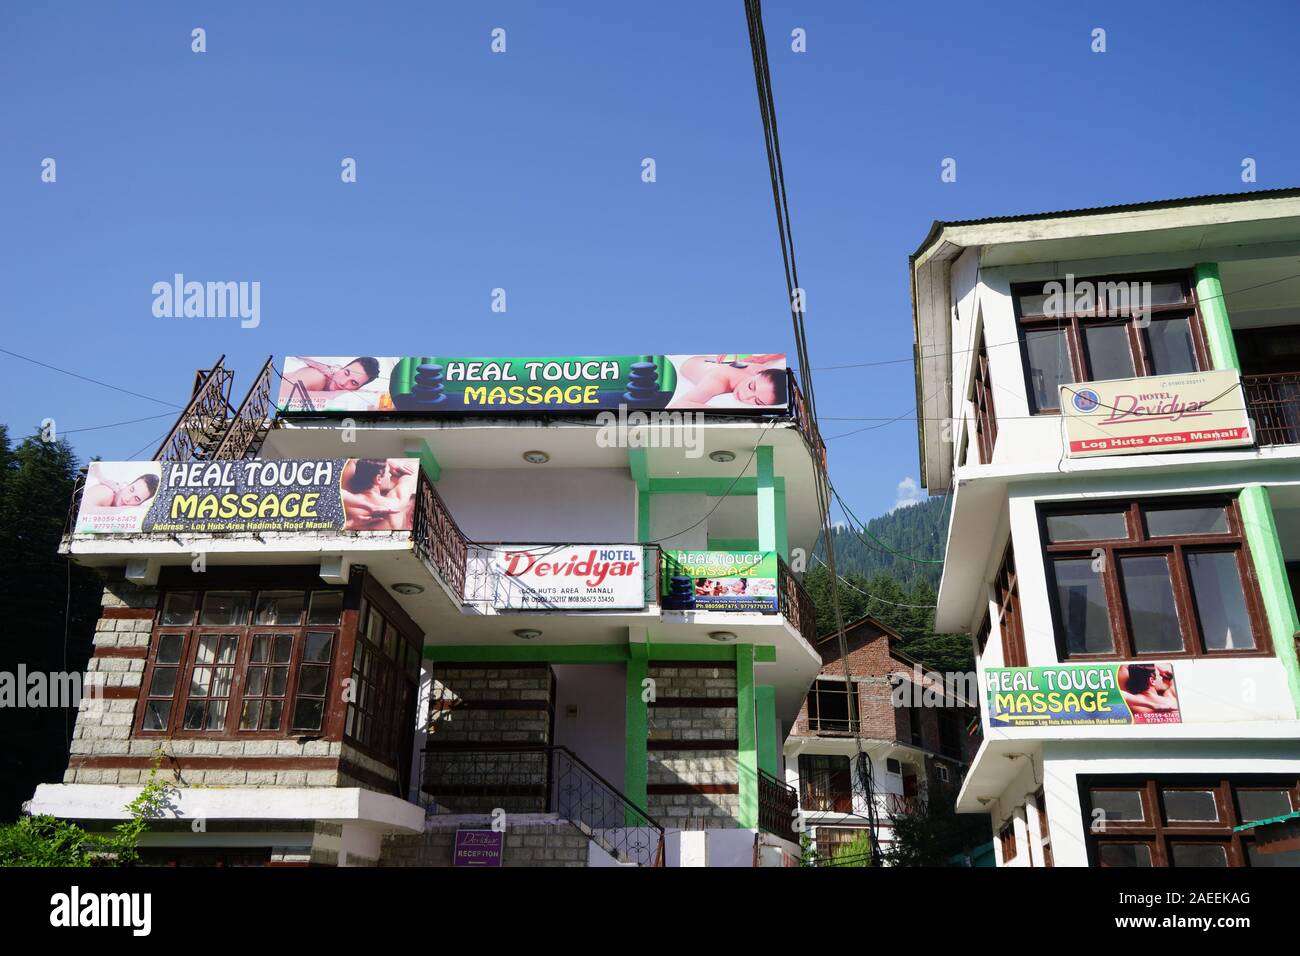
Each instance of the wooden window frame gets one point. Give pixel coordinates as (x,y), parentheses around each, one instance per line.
(834,688)
(1007,840)
(1138,543)
(1006,587)
(1139,344)
(194,632)
(1044,829)
(986,416)
(1160,834)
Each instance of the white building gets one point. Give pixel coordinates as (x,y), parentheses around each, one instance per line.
(1163,581)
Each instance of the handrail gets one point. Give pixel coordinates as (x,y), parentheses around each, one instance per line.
(778,804)
(567,786)
(207,410)
(438,539)
(796,603)
(807,424)
(249,421)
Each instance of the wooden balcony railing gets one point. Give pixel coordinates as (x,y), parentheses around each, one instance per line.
(1273,402)
(796,603)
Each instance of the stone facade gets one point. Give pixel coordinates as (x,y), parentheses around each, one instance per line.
(692,780)
(553,842)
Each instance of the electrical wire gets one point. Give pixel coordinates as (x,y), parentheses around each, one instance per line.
(84,378)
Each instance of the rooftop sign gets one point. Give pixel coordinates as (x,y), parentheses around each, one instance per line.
(441,384)
(1132,416)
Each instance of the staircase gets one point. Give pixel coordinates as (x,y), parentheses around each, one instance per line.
(210,428)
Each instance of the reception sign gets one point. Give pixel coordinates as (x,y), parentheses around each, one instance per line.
(287,494)
(478,848)
(1159,413)
(560,577)
(441,384)
(1132,693)
(720,581)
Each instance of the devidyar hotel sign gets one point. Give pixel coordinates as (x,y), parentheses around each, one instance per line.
(1158,413)
(573,577)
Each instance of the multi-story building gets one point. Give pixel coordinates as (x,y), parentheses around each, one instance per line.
(1111,397)
(439,610)
(872,746)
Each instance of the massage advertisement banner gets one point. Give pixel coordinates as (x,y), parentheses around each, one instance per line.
(287,494)
(1133,693)
(720,581)
(557,576)
(1159,413)
(443,384)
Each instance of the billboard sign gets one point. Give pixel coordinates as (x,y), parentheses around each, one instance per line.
(1133,416)
(1138,692)
(282,494)
(444,384)
(720,581)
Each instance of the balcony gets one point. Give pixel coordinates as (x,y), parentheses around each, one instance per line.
(1273,403)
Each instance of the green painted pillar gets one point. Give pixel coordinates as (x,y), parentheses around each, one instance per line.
(747,743)
(1214,314)
(637,725)
(1270,570)
(782,533)
(766,500)
(765,716)
(420,449)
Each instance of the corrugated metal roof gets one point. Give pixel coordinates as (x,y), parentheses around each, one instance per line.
(939,224)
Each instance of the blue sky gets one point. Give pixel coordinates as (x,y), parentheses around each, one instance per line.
(522,171)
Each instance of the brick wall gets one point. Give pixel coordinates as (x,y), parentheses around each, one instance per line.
(689,783)
(476,709)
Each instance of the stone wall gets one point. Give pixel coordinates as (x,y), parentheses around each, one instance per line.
(692,780)
(552,842)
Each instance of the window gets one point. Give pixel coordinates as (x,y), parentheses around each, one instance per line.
(1101,332)
(1151,579)
(1183,820)
(950,733)
(1044,831)
(986,419)
(825,783)
(982,635)
(1007,838)
(385,672)
(833,707)
(1006,588)
(235,663)
(942,770)
(893,767)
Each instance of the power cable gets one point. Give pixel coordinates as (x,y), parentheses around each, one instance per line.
(84,378)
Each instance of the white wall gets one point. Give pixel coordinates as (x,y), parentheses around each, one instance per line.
(521,506)
(596,734)
(678,521)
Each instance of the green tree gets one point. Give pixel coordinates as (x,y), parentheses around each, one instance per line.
(935,832)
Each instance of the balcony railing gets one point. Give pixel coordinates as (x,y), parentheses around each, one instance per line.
(438,538)
(1273,403)
(796,603)
(778,805)
(541,779)
(803,418)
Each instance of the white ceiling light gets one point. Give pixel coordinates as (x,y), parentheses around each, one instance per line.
(536,457)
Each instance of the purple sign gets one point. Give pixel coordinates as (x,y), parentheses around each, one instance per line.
(478,848)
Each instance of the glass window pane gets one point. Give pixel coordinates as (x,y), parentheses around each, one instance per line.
(207,651)
(216,715)
(1048,359)
(1186,806)
(221,680)
(1109,353)
(311,680)
(1287,858)
(194,716)
(279,607)
(326,607)
(282,648)
(271,713)
(261,648)
(228,644)
(169,648)
(163,683)
(1081,599)
(199,681)
(1124,854)
(225,608)
(179,608)
(156,714)
(307,714)
(374,627)
(1263,804)
(1118,806)
(279,677)
(1198,854)
(1169,342)
(1220,601)
(1165,522)
(1167,293)
(1032,304)
(317,648)
(250,715)
(1086,527)
(1149,599)
(256,681)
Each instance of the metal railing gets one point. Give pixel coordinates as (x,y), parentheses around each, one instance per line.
(438,539)
(541,779)
(796,603)
(1273,403)
(803,418)
(778,806)
(201,426)
(249,425)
